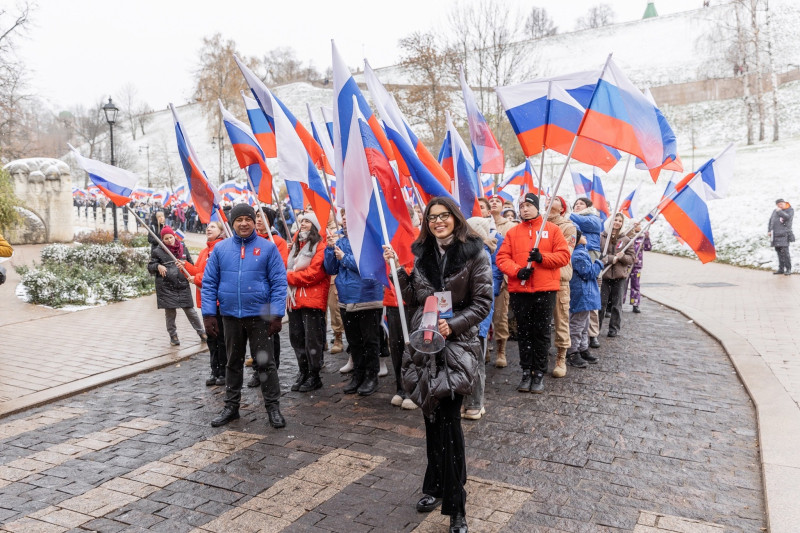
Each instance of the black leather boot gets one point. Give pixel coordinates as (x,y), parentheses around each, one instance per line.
(299,379)
(587,356)
(537,385)
(276,419)
(356,378)
(575,359)
(525,383)
(593,342)
(312,382)
(369,385)
(458,523)
(225,416)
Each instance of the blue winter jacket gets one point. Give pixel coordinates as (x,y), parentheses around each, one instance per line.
(497,282)
(351,288)
(246,276)
(590,225)
(584,294)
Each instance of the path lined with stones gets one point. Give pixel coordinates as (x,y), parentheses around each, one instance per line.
(659,435)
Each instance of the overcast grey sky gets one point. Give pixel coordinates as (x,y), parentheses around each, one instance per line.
(79,50)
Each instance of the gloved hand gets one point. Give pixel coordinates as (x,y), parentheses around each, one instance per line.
(212,328)
(535,256)
(275,325)
(524,273)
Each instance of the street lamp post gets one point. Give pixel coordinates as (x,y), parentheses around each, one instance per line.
(146,147)
(110,111)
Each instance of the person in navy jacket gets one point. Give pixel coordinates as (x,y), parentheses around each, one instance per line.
(245,274)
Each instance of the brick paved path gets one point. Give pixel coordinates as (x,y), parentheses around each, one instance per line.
(659,436)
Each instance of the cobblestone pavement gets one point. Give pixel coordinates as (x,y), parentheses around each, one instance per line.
(660,436)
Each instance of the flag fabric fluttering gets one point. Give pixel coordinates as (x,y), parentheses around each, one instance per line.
(487,154)
(620,115)
(687,213)
(249,155)
(583,185)
(454,158)
(520,175)
(327,150)
(630,205)
(327,118)
(116,183)
(263,131)
(413,158)
(671,159)
(716,174)
(598,197)
(205,196)
(365,159)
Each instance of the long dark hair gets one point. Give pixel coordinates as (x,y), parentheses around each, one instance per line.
(461,230)
(313,238)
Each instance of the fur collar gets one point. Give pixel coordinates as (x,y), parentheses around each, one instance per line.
(457,256)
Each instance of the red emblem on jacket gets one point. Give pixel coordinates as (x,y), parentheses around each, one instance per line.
(256,251)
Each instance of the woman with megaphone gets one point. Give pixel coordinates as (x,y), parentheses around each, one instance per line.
(451,266)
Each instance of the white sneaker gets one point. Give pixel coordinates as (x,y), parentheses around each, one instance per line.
(408,404)
(348,366)
(383,371)
(397,400)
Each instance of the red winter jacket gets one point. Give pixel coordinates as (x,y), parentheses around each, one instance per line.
(280,243)
(310,284)
(513,255)
(196,270)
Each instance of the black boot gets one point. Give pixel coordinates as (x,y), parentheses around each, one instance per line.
(212,380)
(537,386)
(312,382)
(369,385)
(355,382)
(587,356)
(593,342)
(299,379)
(276,419)
(525,383)
(458,523)
(575,359)
(225,416)
(636,309)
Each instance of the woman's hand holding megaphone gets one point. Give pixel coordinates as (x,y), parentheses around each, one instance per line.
(444,328)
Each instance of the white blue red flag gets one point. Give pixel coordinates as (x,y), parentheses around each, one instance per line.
(263,131)
(583,185)
(630,205)
(520,175)
(454,158)
(249,155)
(671,159)
(365,159)
(204,195)
(116,183)
(486,150)
(327,150)
(598,197)
(327,117)
(716,174)
(687,213)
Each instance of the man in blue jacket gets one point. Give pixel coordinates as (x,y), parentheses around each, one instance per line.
(245,274)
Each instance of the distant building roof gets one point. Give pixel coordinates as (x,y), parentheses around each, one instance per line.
(650,11)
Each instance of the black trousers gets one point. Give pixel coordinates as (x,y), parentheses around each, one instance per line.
(363,330)
(237,331)
(784,260)
(307,336)
(533,311)
(397,344)
(612,292)
(216,349)
(446,473)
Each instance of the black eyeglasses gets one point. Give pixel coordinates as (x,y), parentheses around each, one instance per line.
(441,216)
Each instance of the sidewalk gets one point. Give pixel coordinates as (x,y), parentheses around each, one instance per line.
(755,316)
(46,354)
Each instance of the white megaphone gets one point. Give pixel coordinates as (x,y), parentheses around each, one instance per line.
(427,338)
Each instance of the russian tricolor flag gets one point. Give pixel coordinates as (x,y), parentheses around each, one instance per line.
(205,197)
(671,159)
(583,185)
(520,175)
(687,213)
(249,155)
(455,160)
(716,174)
(263,131)
(598,197)
(413,158)
(327,116)
(365,159)
(619,115)
(630,205)
(117,183)
(327,148)
(486,151)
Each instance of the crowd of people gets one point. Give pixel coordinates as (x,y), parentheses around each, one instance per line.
(508,274)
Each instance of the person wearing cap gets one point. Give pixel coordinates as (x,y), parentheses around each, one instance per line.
(245,274)
(172,287)
(307,301)
(584,297)
(500,318)
(590,222)
(557,216)
(534,275)
(781,235)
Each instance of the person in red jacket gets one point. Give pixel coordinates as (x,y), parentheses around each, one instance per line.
(307,302)
(533,301)
(216,343)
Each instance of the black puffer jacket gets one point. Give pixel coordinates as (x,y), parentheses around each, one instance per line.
(172,291)
(468,276)
(780,224)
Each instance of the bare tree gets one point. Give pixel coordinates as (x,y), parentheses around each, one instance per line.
(144,114)
(539,24)
(13,23)
(129,104)
(773,74)
(282,66)
(597,16)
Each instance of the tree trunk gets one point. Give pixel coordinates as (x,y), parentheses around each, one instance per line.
(759,75)
(773,75)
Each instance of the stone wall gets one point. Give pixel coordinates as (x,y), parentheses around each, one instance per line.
(44,186)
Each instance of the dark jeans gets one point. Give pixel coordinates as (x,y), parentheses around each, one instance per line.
(307,335)
(784,261)
(363,330)
(446,473)
(237,331)
(276,352)
(533,311)
(216,349)
(612,292)
(397,344)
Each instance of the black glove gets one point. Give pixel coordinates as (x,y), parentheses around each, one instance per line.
(275,325)
(535,256)
(211,325)
(524,273)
